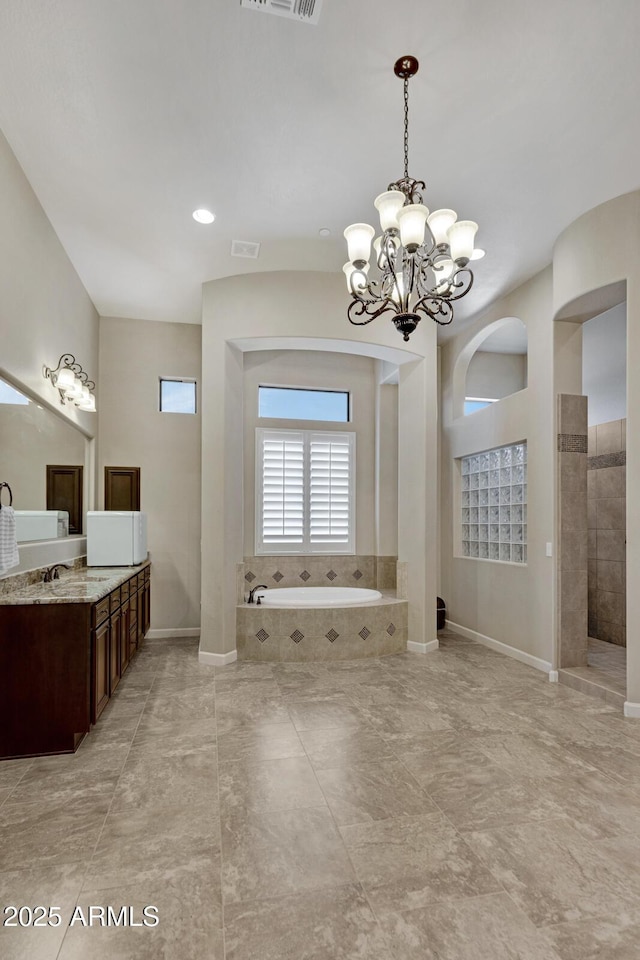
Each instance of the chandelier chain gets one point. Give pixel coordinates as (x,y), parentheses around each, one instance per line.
(406,128)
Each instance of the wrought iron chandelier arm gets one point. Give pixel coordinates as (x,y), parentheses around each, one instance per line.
(369,308)
(434,307)
(461,280)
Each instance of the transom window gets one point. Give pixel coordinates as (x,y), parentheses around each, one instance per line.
(301,403)
(305,492)
(177,395)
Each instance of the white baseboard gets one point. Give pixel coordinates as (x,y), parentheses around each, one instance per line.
(217,659)
(416,647)
(505,648)
(553,676)
(161,634)
(631,709)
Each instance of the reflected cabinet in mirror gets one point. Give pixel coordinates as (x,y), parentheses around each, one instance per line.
(42,458)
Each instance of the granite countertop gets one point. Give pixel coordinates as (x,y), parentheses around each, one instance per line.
(79,585)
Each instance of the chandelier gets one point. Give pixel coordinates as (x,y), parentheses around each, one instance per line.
(422,259)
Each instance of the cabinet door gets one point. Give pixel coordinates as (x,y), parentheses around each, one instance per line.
(134,616)
(125,618)
(101,669)
(116,626)
(146,608)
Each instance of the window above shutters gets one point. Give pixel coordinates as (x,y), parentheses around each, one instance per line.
(305,492)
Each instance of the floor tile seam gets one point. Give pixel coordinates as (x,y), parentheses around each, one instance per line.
(87,864)
(340,837)
(218,816)
(276,900)
(15,785)
(101,831)
(603,773)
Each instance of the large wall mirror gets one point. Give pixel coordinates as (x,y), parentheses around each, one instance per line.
(33,439)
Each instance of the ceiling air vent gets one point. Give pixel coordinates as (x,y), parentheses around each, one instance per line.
(245,248)
(306,10)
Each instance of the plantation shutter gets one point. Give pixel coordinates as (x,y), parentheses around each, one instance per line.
(282,489)
(304,492)
(330,485)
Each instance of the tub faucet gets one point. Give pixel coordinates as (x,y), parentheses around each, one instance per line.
(261,586)
(51,573)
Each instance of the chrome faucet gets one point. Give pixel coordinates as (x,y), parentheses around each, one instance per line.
(261,586)
(52,572)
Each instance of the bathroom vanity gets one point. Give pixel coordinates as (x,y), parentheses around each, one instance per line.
(64,646)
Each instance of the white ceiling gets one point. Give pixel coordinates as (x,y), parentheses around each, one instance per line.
(127,115)
(510,337)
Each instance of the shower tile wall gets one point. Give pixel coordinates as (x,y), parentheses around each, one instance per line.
(573,529)
(606,491)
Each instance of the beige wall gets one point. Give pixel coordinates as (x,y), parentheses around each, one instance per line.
(44,312)
(511,603)
(44,309)
(386,526)
(134,354)
(305,310)
(323,370)
(596,263)
(495,375)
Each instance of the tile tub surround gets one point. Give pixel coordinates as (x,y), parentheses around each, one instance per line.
(450,807)
(377,573)
(606,493)
(304,634)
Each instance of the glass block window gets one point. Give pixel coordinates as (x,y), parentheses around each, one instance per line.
(494,504)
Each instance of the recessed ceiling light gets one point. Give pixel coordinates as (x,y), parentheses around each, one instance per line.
(324,232)
(203,216)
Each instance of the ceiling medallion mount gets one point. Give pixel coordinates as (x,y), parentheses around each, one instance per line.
(422,258)
(406,67)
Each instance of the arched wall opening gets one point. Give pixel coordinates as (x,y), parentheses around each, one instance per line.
(491,366)
(305,311)
(591,350)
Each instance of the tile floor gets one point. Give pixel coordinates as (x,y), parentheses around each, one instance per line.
(610,660)
(453,806)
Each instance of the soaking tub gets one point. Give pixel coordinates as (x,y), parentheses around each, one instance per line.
(320,623)
(317,596)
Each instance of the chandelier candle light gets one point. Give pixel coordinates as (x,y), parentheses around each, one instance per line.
(422,258)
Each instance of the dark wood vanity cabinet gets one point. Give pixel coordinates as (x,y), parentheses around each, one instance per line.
(61,662)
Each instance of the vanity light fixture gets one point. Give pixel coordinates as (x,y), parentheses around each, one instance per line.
(421,259)
(72,383)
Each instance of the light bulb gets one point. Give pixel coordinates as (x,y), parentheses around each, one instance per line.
(388,205)
(412,220)
(359,282)
(65,379)
(461,235)
(439,222)
(359,237)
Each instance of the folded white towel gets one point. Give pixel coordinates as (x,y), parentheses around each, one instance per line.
(8,544)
